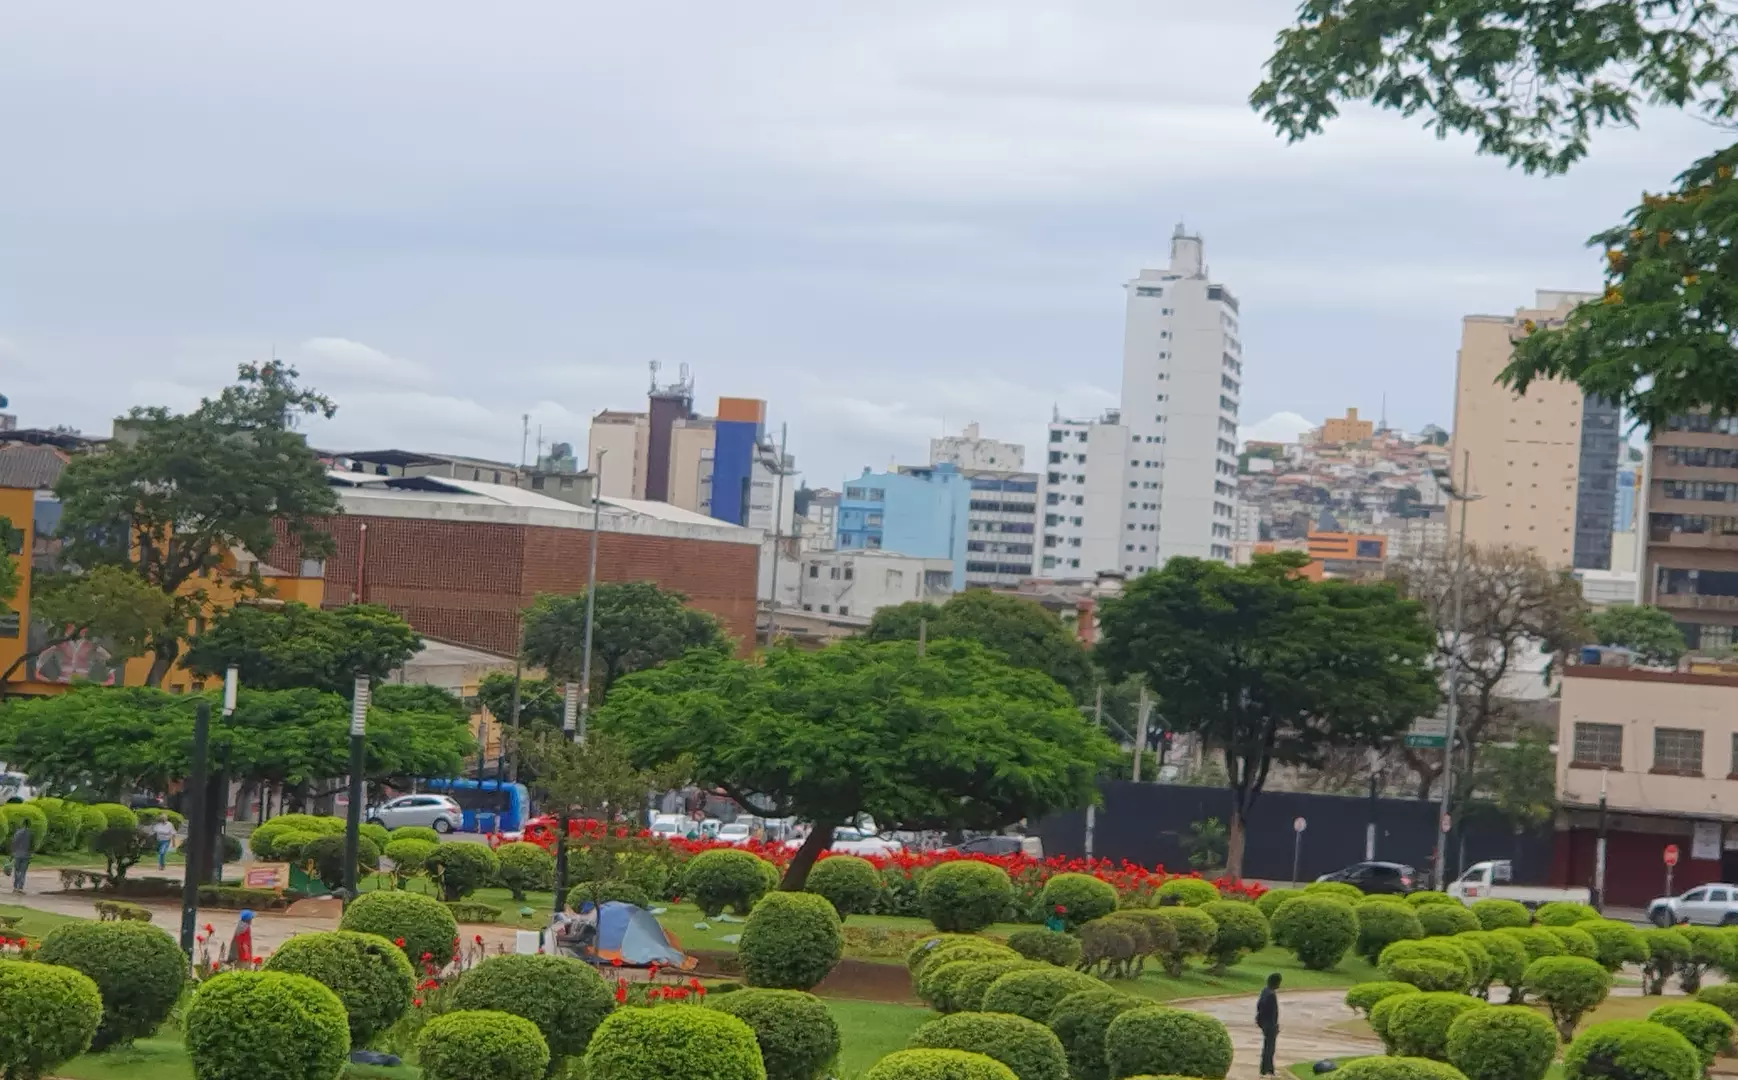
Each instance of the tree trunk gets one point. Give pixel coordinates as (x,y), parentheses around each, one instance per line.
(820,838)
(163,656)
(560,862)
(1234,841)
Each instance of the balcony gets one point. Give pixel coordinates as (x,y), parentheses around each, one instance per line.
(1695,602)
(1707,541)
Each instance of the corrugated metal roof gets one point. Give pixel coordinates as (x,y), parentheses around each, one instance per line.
(24,465)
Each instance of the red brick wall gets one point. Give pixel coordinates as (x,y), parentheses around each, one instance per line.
(465,582)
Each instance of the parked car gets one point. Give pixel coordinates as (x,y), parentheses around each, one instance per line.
(1704,905)
(1377,877)
(669,826)
(1002,845)
(737,833)
(1494,879)
(437,812)
(852,841)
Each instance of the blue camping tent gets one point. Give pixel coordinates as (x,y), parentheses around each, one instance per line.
(632,935)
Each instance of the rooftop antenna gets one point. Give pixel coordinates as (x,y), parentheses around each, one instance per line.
(1384,426)
(654,365)
(524,436)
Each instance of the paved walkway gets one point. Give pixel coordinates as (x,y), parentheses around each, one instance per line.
(1304,1035)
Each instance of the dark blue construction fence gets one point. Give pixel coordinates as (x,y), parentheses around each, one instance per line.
(1150,824)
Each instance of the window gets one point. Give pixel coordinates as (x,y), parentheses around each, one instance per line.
(877,494)
(808,607)
(833,573)
(826,609)
(1678,751)
(848,573)
(814,570)
(1148,290)
(844,610)
(854,493)
(1600,745)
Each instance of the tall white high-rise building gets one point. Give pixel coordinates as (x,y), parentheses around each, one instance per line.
(1080,496)
(1182,375)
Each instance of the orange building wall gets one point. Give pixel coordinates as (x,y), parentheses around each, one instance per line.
(18,505)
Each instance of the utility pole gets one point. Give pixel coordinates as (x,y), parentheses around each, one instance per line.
(590,602)
(1375,806)
(1462,496)
(922,636)
(1599,847)
(353,823)
(778,521)
(195,808)
(1092,807)
(1146,708)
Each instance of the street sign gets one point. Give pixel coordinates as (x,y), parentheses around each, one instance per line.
(1671,854)
(1428,731)
(1299,825)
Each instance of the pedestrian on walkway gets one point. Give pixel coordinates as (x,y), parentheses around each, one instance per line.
(241,945)
(20,857)
(1267,1019)
(164,833)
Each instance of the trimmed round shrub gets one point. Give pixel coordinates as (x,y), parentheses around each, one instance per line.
(965,895)
(1708,1028)
(116,816)
(1082,897)
(369,974)
(1363,997)
(1631,1050)
(1509,957)
(791,942)
(1538,941)
(1240,929)
(1396,1068)
(525,867)
(1270,900)
(725,878)
(938,1065)
(138,969)
(564,997)
(31,817)
(1575,941)
(318,824)
(1569,986)
(1507,1042)
(1667,951)
(65,823)
(376,833)
(852,885)
(1035,992)
(1339,889)
(1047,946)
(1319,930)
(1563,913)
(919,953)
(660,1044)
(1379,1014)
(410,855)
(1079,1022)
(1615,943)
(1445,920)
(415,832)
(953,952)
(1709,948)
(1478,959)
(796,1034)
(1426,974)
(604,892)
(1427,951)
(266,1025)
(1384,898)
(1029,1050)
(283,845)
(1723,996)
(1381,925)
(1418,1023)
(961,985)
(51,1016)
(1187,892)
(1495,914)
(91,821)
(1195,929)
(461,868)
(1156,1039)
(420,925)
(1426,897)
(478,1043)
(327,855)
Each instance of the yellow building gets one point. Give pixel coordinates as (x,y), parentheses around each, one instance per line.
(1347,429)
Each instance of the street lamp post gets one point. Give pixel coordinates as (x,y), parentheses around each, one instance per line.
(353,823)
(199,836)
(578,731)
(1462,496)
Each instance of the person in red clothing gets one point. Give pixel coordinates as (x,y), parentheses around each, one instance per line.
(241,945)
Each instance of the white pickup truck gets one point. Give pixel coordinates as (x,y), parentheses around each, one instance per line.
(1491,880)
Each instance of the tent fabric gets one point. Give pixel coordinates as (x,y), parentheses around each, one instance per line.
(632,935)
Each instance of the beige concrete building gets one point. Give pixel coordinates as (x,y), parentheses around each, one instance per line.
(1347,429)
(1544,465)
(622,437)
(1690,566)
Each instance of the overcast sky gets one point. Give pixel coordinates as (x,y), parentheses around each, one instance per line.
(886,219)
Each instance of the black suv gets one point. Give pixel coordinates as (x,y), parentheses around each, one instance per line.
(1377,877)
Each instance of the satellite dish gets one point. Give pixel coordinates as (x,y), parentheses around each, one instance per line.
(3,401)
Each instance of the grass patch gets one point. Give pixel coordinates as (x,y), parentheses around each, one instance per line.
(869,1031)
(1306,1070)
(34,924)
(164,1058)
(1248,977)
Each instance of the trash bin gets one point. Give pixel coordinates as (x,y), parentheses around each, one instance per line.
(486,822)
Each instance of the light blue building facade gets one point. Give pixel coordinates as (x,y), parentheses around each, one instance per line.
(921,515)
(1628,488)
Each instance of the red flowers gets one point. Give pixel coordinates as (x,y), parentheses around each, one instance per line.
(427,956)
(398,941)
(1061,909)
(621,991)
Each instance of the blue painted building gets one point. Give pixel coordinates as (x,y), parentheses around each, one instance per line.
(922,514)
(1628,488)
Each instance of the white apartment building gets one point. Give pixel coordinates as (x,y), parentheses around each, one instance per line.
(856,584)
(1182,376)
(969,450)
(1002,519)
(818,528)
(1081,494)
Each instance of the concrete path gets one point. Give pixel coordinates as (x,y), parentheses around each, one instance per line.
(1304,1035)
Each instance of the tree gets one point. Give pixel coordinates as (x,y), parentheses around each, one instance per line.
(11,549)
(108,604)
(1520,780)
(1650,631)
(1531,80)
(539,700)
(1513,608)
(1269,666)
(174,495)
(954,738)
(1021,630)
(283,646)
(635,625)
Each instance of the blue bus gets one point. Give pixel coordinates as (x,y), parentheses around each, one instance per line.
(502,806)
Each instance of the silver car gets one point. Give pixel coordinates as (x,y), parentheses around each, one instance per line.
(438,812)
(1715,904)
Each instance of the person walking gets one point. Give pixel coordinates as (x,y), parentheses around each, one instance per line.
(1267,1019)
(164,833)
(21,852)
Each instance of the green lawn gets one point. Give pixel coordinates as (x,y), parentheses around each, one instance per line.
(32,923)
(869,1031)
(164,1058)
(1247,977)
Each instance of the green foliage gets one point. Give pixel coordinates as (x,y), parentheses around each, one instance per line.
(1576,941)
(1479,963)
(1615,943)
(1418,1023)
(1364,996)
(1503,1043)
(25,815)
(1709,948)
(1537,940)
(327,855)
(468,1045)
(1187,892)
(525,867)
(1429,964)
(852,884)
(1339,890)
(292,645)
(1381,925)
(370,975)
(1080,1021)
(105,603)
(791,942)
(938,1065)
(377,834)
(408,857)
(721,878)
(1424,897)
(48,1016)
(420,925)
(1317,929)
(1155,1039)
(65,823)
(1666,951)
(635,625)
(121,849)
(1495,914)
(926,947)
(1270,900)
(602,892)
(1443,920)
(1707,1028)
(1631,1050)
(1650,631)
(1047,946)
(461,869)
(1241,929)
(1509,959)
(1563,913)
(565,998)
(266,1025)
(1028,1049)
(659,1044)
(1035,992)
(797,1036)
(966,895)
(117,816)
(137,968)
(1022,631)
(961,985)
(1195,929)
(413,832)
(1083,898)
(1569,986)
(1379,1014)
(1722,996)
(1396,1068)
(952,951)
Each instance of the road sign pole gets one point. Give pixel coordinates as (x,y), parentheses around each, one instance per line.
(1297,828)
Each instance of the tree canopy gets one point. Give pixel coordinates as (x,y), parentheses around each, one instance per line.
(1648,630)
(175,494)
(1021,630)
(635,625)
(952,739)
(284,646)
(11,549)
(1531,80)
(539,700)
(109,605)
(1268,666)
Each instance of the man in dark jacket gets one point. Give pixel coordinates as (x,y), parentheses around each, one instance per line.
(1267,1019)
(20,857)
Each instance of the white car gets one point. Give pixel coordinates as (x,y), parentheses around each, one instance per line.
(1704,905)
(438,812)
(669,826)
(852,841)
(736,833)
